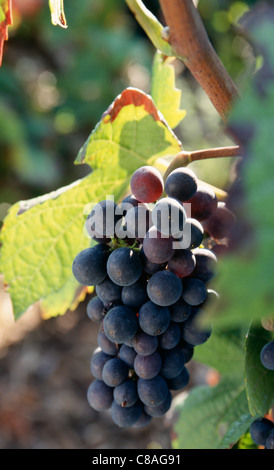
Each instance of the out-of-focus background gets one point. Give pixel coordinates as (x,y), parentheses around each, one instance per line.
(54,86)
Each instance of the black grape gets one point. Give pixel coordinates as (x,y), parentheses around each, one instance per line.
(182,263)
(147,184)
(120,324)
(181,184)
(114,372)
(171,337)
(99,395)
(95,309)
(193,234)
(152,392)
(89,266)
(127,354)
(192,331)
(180,381)
(194,291)
(125,417)
(164,288)
(138,221)
(267,355)
(206,263)
(259,430)
(148,266)
(221,223)
(143,421)
(153,319)
(159,410)
(179,311)
(173,362)
(103,218)
(203,204)
(126,394)
(136,294)
(144,343)
(124,266)
(106,345)
(157,248)
(108,292)
(169,216)
(149,366)
(98,360)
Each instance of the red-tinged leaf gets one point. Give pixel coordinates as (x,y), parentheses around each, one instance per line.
(5,21)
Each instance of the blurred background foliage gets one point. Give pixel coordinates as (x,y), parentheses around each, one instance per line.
(55,84)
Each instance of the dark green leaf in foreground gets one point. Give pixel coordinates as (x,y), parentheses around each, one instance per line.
(212,417)
(41,237)
(259,380)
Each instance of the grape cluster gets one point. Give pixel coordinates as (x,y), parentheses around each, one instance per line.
(149,293)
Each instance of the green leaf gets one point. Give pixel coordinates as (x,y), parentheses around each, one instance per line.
(164,92)
(259,380)
(212,417)
(41,237)
(223,351)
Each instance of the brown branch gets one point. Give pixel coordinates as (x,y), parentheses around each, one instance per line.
(190,41)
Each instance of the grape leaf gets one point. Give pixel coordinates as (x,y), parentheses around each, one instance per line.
(217,416)
(245,278)
(163,91)
(41,237)
(5,21)
(223,351)
(259,380)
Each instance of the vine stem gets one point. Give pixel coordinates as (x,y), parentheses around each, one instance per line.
(189,40)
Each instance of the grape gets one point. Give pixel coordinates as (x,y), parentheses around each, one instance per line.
(269,443)
(206,262)
(126,394)
(106,345)
(171,337)
(149,366)
(89,225)
(148,266)
(114,372)
(181,184)
(164,288)
(125,417)
(220,224)
(98,360)
(152,392)
(203,203)
(194,291)
(108,292)
(95,309)
(182,263)
(157,248)
(169,216)
(188,351)
(143,421)
(180,381)
(153,319)
(267,355)
(138,221)
(219,250)
(173,362)
(147,184)
(99,395)
(120,324)
(193,234)
(259,430)
(180,311)
(89,266)
(192,331)
(104,217)
(159,410)
(145,344)
(127,354)
(136,294)
(124,266)
(128,202)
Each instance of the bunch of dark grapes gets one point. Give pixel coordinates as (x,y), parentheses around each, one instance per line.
(151,271)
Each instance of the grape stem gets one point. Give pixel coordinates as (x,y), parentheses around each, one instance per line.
(184,158)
